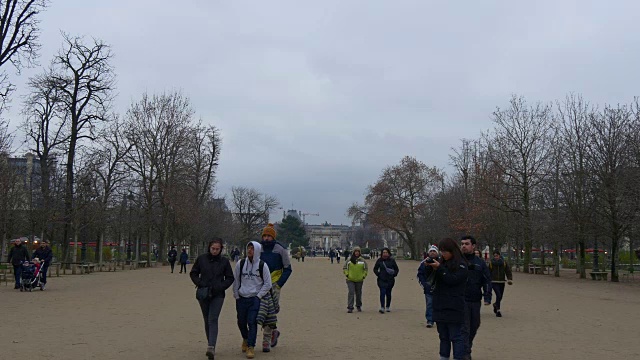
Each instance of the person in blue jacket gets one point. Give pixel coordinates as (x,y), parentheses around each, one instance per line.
(277,259)
(184,258)
(426,285)
(448,297)
(45,255)
(478,286)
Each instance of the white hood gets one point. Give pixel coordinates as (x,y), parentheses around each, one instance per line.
(247,280)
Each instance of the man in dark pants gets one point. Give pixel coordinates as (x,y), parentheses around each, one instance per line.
(173,256)
(45,255)
(17,255)
(478,284)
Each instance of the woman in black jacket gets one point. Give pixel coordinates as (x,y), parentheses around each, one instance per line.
(448,297)
(212,273)
(386,270)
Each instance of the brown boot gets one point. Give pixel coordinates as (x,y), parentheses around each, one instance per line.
(250,353)
(244,345)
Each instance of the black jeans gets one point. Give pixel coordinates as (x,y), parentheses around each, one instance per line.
(471,324)
(183,266)
(498,288)
(210,313)
(450,334)
(173,264)
(385,293)
(17,271)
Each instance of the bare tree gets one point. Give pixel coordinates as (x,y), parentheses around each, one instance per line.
(46,135)
(610,159)
(520,148)
(576,176)
(19,32)
(110,172)
(400,199)
(85,81)
(251,208)
(159,128)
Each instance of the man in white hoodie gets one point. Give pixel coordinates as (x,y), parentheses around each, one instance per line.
(250,286)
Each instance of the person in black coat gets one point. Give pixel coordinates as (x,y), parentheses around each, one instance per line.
(173,256)
(448,297)
(212,271)
(386,269)
(17,255)
(184,257)
(45,255)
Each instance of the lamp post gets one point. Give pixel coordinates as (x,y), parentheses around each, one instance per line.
(130,203)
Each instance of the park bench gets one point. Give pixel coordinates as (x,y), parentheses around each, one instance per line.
(51,267)
(143,263)
(599,275)
(549,268)
(535,269)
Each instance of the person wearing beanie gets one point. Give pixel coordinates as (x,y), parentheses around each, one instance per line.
(355,269)
(499,269)
(276,256)
(427,283)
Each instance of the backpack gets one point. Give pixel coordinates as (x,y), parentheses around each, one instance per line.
(242,262)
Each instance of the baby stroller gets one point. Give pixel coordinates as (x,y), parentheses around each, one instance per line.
(30,277)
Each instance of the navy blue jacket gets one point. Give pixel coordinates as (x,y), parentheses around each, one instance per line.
(448,293)
(184,257)
(385,280)
(423,271)
(479,282)
(44,254)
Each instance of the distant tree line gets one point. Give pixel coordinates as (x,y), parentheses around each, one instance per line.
(546,175)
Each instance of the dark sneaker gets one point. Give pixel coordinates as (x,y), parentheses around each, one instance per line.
(429,324)
(211,350)
(498,313)
(359,309)
(349,311)
(495,309)
(274,337)
(266,347)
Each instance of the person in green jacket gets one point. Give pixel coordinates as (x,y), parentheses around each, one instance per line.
(355,269)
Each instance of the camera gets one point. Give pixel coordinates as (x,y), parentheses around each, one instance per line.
(429,260)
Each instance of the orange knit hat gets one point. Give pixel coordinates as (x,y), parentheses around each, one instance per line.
(269,230)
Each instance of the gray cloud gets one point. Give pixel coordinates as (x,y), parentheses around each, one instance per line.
(314,100)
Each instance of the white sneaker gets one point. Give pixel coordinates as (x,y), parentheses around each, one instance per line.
(388,309)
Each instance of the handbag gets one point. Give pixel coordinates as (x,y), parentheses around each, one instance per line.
(203,293)
(390,271)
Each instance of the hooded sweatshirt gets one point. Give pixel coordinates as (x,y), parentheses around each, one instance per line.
(247,280)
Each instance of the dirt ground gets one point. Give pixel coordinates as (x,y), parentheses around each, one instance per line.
(153,314)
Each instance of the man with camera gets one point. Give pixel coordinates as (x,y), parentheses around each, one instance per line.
(478,285)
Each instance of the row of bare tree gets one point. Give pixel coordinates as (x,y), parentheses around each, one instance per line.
(557,175)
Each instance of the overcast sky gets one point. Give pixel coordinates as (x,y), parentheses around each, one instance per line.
(314,99)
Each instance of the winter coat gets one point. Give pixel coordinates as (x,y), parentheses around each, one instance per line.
(212,271)
(173,255)
(499,270)
(479,282)
(18,254)
(355,272)
(385,280)
(449,292)
(247,281)
(184,257)
(277,259)
(44,254)
(423,275)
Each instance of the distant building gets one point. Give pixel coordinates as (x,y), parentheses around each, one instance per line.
(29,175)
(328,236)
